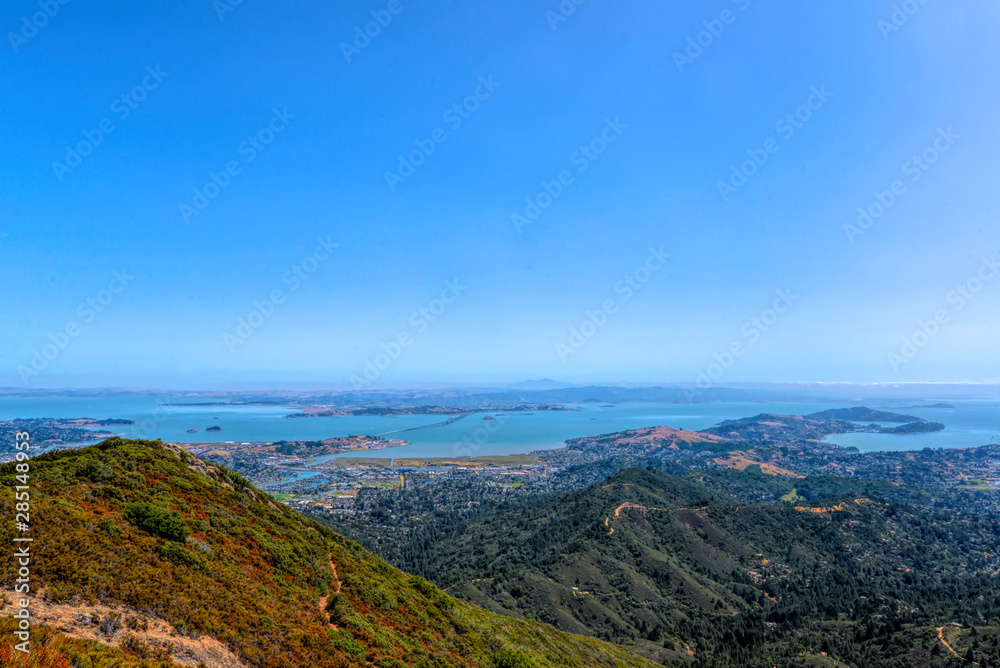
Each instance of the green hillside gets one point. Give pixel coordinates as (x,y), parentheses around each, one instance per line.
(650,561)
(150,557)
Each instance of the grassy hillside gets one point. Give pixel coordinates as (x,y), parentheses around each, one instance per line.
(148,556)
(649,560)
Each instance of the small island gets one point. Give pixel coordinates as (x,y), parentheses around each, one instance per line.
(863,414)
(921,427)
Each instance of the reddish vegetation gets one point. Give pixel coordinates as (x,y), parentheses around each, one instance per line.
(46,656)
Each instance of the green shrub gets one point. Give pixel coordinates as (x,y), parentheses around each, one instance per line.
(93,471)
(347,643)
(107,525)
(182,556)
(509,658)
(282,557)
(163,523)
(391,663)
(132,481)
(111,492)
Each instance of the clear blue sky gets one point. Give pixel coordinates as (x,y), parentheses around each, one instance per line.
(65,229)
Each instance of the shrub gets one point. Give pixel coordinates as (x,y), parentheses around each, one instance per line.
(144,650)
(509,658)
(107,525)
(111,492)
(282,556)
(182,556)
(110,625)
(391,663)
(132,481)
(93,471)
(163,523)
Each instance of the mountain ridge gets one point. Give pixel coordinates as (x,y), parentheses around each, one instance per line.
(673,566)
(148,530)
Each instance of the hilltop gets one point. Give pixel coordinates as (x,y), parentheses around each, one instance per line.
(769,427)
(148,556)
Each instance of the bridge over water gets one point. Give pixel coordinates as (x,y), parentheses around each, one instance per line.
(427,426)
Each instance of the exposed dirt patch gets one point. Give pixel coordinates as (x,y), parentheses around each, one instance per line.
(740,462)
(94,622)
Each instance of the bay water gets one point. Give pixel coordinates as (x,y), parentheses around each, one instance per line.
(968,424)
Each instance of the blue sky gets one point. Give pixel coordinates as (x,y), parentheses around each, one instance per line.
(661,137)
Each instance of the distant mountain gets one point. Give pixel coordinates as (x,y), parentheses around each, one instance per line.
(543,384)
(146,556)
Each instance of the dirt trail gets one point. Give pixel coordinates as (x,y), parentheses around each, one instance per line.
(618,512)
(336,577)
(949,647)
(628,504)
(336,589)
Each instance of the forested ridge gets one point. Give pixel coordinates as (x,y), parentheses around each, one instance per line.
(685,569)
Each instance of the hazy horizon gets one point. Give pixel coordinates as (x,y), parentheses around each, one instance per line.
(887,389)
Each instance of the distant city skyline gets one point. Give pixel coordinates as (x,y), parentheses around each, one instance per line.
(397,195)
